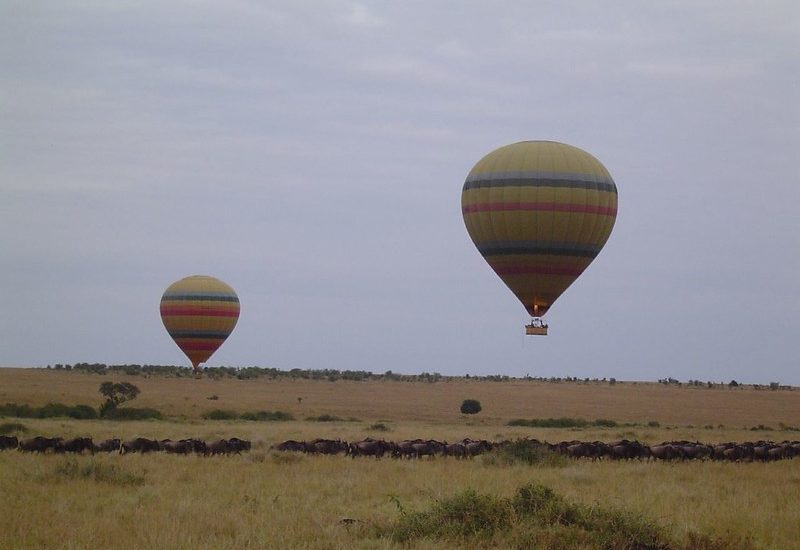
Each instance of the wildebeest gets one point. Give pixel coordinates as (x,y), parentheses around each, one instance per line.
(8,442)
(77,445)
(369,447)
(455,449)
(474,448)
(182,447)
(291,445)
(108,446)
(405,448)
(219,447)
(666,451)
(40,444)
(140,445)
(326,446)
(238,446)
(227,446)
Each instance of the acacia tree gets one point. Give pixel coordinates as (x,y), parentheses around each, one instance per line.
(117,393)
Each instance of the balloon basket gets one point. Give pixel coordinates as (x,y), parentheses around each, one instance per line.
(536,329)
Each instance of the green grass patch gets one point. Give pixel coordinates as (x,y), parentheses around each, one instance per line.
(524,451)
(71,469)
(131,413)
(563,422)
(8,428)
(220,414)
(331,418)
(378,427)
(270,416)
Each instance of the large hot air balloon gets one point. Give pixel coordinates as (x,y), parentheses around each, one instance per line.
(539,212)
(199,312)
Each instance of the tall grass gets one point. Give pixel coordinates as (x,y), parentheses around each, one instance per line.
(282,500)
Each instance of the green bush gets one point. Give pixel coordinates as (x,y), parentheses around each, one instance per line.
(470,406)
(325,418)
(273,416)
(15,410)
(563,422)
(51,410)
(83,412)
(605,423)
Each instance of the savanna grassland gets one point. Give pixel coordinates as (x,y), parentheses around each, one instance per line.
(265,499)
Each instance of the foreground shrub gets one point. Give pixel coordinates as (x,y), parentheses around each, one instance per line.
(464,515)
(7,428)
(537,517)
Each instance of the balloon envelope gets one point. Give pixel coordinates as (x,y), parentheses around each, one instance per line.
(199,313)
(539,212)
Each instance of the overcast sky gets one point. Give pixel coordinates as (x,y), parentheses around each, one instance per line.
(311,154)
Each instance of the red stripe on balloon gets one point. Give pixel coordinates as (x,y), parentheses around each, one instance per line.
(196,310)
(538,270)
(538,207)
(199,346)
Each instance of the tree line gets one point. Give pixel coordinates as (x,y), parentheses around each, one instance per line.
(333,375)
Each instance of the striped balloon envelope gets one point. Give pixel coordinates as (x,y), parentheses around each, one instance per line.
(199,313)
(539,212)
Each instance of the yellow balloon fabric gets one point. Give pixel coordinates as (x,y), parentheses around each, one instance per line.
(199,313)
(539,212)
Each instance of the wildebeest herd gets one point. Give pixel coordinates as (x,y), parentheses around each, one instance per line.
(418,448)
(596,450)
(80,445)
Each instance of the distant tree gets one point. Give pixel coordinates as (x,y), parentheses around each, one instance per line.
(116,393)
(733,384)
(470,406)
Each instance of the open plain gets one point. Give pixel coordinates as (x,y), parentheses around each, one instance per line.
(267,499)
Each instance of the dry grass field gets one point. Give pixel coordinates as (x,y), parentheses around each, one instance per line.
(419,401)
(264,499)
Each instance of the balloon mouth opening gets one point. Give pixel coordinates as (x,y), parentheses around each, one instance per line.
(537,310)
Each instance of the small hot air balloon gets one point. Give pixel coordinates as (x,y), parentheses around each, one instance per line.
(199,312)
(539,212)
